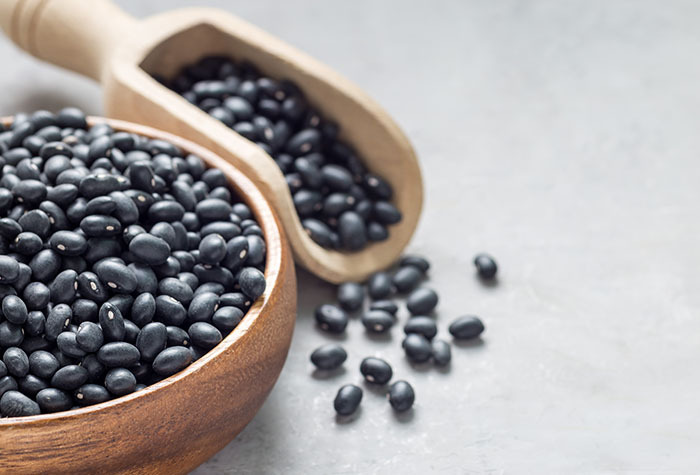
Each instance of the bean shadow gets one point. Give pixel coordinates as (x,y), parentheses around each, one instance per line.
(404,417)
(379,337)
(488,283)
(376,389)
(473,344)
(345,420)
(324,374)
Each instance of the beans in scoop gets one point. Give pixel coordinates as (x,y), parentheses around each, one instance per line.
(123,259)
(340,203)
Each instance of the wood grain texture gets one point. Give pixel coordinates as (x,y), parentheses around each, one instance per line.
(178,423)
(122,53)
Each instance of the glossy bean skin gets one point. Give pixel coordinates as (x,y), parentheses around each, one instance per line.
(422,301)
(350,296)
(376,370)
(377,321)
(486,266)
(417,347)
(421,325)
(331,318)
(379,285)
(467,327)
(401,396)
(442,352)
(347,400)
(328,357)
(407,279)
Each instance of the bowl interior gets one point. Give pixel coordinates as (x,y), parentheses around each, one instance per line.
(249,194)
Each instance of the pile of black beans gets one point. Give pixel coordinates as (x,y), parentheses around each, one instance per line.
(380,315)
(123,260)
(342,206)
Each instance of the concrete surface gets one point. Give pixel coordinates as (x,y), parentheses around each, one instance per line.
(562,137)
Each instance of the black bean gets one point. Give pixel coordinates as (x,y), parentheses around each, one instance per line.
(53,400)
(146,278)
(57,320)
(235,299)
(386,213)
(213,210)
(305,141)
(486,266)
(442,353)
(202,307)
(9,270)
(120,381)
(15,404)
(67,343)
(143,309)
(68,243)
(336,177)
(43,364)
(328,357)
(347,400)
(307,202)
(45,265)
(30,192)
(112,322)
(27,243)
(69,377)
(35,323)
(252,282)
(171,360)
(95,369)
(352,231)
(8,383)
(14,309)
(64,286)
(415,261)
(417,347)
(466,327)
(227,318)
(100,226)
(16,361)
(100,205)
(169,310)
(84,310)
(212,249)
(101,184)
(89,337)
(422,325)
(151,340)
(337,203)
(89,286)
(401,396)
(350,296)
(377,187)
(125,209)
(118,277)
(379,285)
(376,370)
(35,221)
(89,394)
(377,321)
(149,249)
(421,301)
(318,231)
(385,305)
(309,172)
(204,335)
(9,228)
(118,354)
(407,279)
(331,318)
(167,211)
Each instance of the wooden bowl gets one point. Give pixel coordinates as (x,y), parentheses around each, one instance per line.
(99,40)
(178,423)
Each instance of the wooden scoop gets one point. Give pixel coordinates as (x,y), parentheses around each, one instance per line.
(97,39)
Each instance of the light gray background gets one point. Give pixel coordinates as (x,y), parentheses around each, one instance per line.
(561,136)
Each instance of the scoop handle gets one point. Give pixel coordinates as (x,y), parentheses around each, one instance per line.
(79,35)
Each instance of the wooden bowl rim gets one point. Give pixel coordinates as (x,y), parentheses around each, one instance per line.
(272,230)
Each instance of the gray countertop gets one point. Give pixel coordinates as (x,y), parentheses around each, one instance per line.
(560,136)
